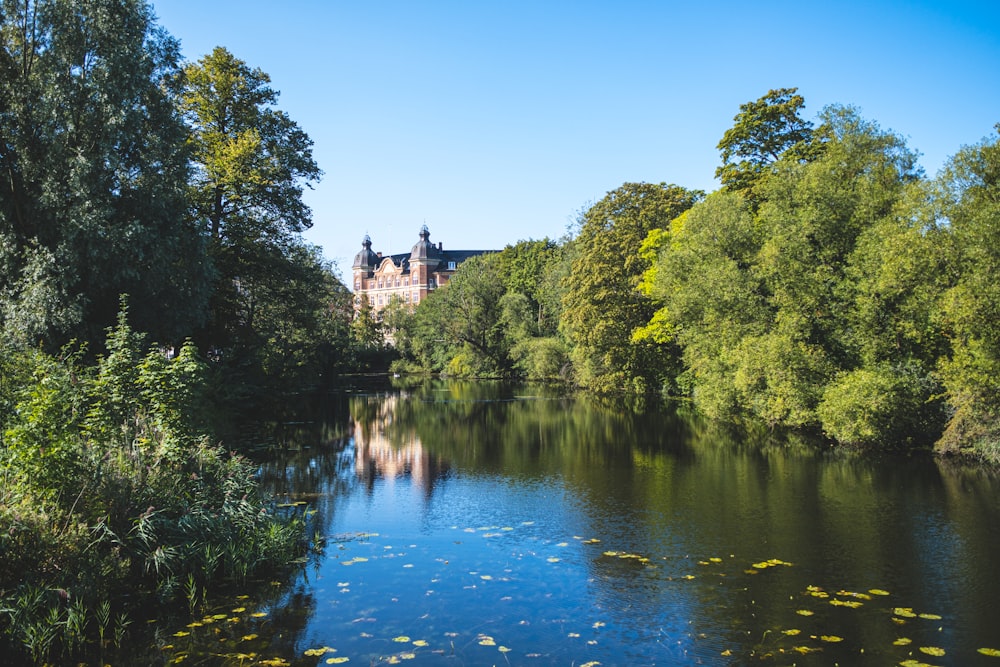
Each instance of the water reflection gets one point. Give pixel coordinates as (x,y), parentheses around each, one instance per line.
(570,530)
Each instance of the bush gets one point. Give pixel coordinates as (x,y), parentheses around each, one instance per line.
(885,406)
(113,495)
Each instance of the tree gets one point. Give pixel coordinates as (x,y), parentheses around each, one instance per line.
(603,306)
(765,129)
(794,309)
(94,165)
(970,309)
(523,267)
(251,163)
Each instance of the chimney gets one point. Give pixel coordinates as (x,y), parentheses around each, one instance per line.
(379,255)
(440,246)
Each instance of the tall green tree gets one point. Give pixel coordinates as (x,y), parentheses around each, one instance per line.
(94,165)
(799,309)
(251,163)
(970,309)
(764,130)
(602,305)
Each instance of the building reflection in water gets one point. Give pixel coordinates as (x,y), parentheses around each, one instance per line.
(388,451)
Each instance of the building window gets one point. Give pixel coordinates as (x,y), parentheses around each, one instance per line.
(397,281)
(380,299)
(371,301)
(406,282)
(451,266)
(406,296)
(381,284)
(357,285)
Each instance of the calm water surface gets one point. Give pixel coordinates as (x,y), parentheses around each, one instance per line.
(488,524)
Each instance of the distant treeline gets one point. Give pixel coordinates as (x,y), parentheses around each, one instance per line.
(828,285)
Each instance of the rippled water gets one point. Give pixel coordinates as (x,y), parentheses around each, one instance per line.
(486,524)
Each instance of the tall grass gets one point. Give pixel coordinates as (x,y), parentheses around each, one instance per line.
(112,496)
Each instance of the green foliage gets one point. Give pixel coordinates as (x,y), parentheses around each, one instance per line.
(523,268)
(112,493)
(815,293)
(765,130)
(279,310)
(602,304)
(95,162)
(882,406)
(970,309)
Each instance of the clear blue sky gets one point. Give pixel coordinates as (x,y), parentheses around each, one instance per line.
(499,121)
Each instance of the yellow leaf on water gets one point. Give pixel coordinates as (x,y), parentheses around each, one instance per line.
(905,612)
(792,632)
(932,650)
(726,653)
(419,642)
(402,639)
(407,656)
(487,641)
(992,652)
(552,559)
(337,661)
(239,610)
(931,617)
(878,591)
(181,633)
(249,638)
(259,614)
(592,663)
(804,612)
(832,638)
(902,641)
(503,649)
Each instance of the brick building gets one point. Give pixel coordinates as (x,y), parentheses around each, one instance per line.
(406,276)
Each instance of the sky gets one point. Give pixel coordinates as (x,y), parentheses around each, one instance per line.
(498,121)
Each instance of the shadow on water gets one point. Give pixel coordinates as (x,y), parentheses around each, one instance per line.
(482,523)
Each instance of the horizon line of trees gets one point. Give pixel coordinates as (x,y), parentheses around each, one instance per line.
(827,285)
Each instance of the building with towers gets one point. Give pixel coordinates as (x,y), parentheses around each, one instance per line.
(409,276)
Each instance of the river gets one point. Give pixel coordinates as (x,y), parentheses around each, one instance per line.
(492,524)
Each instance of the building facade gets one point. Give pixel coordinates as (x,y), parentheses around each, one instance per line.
(408,277)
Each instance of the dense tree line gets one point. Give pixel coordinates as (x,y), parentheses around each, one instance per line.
(828,285)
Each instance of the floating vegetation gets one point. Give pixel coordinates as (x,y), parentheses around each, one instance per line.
(853,604)
(781,639)
(774,562)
